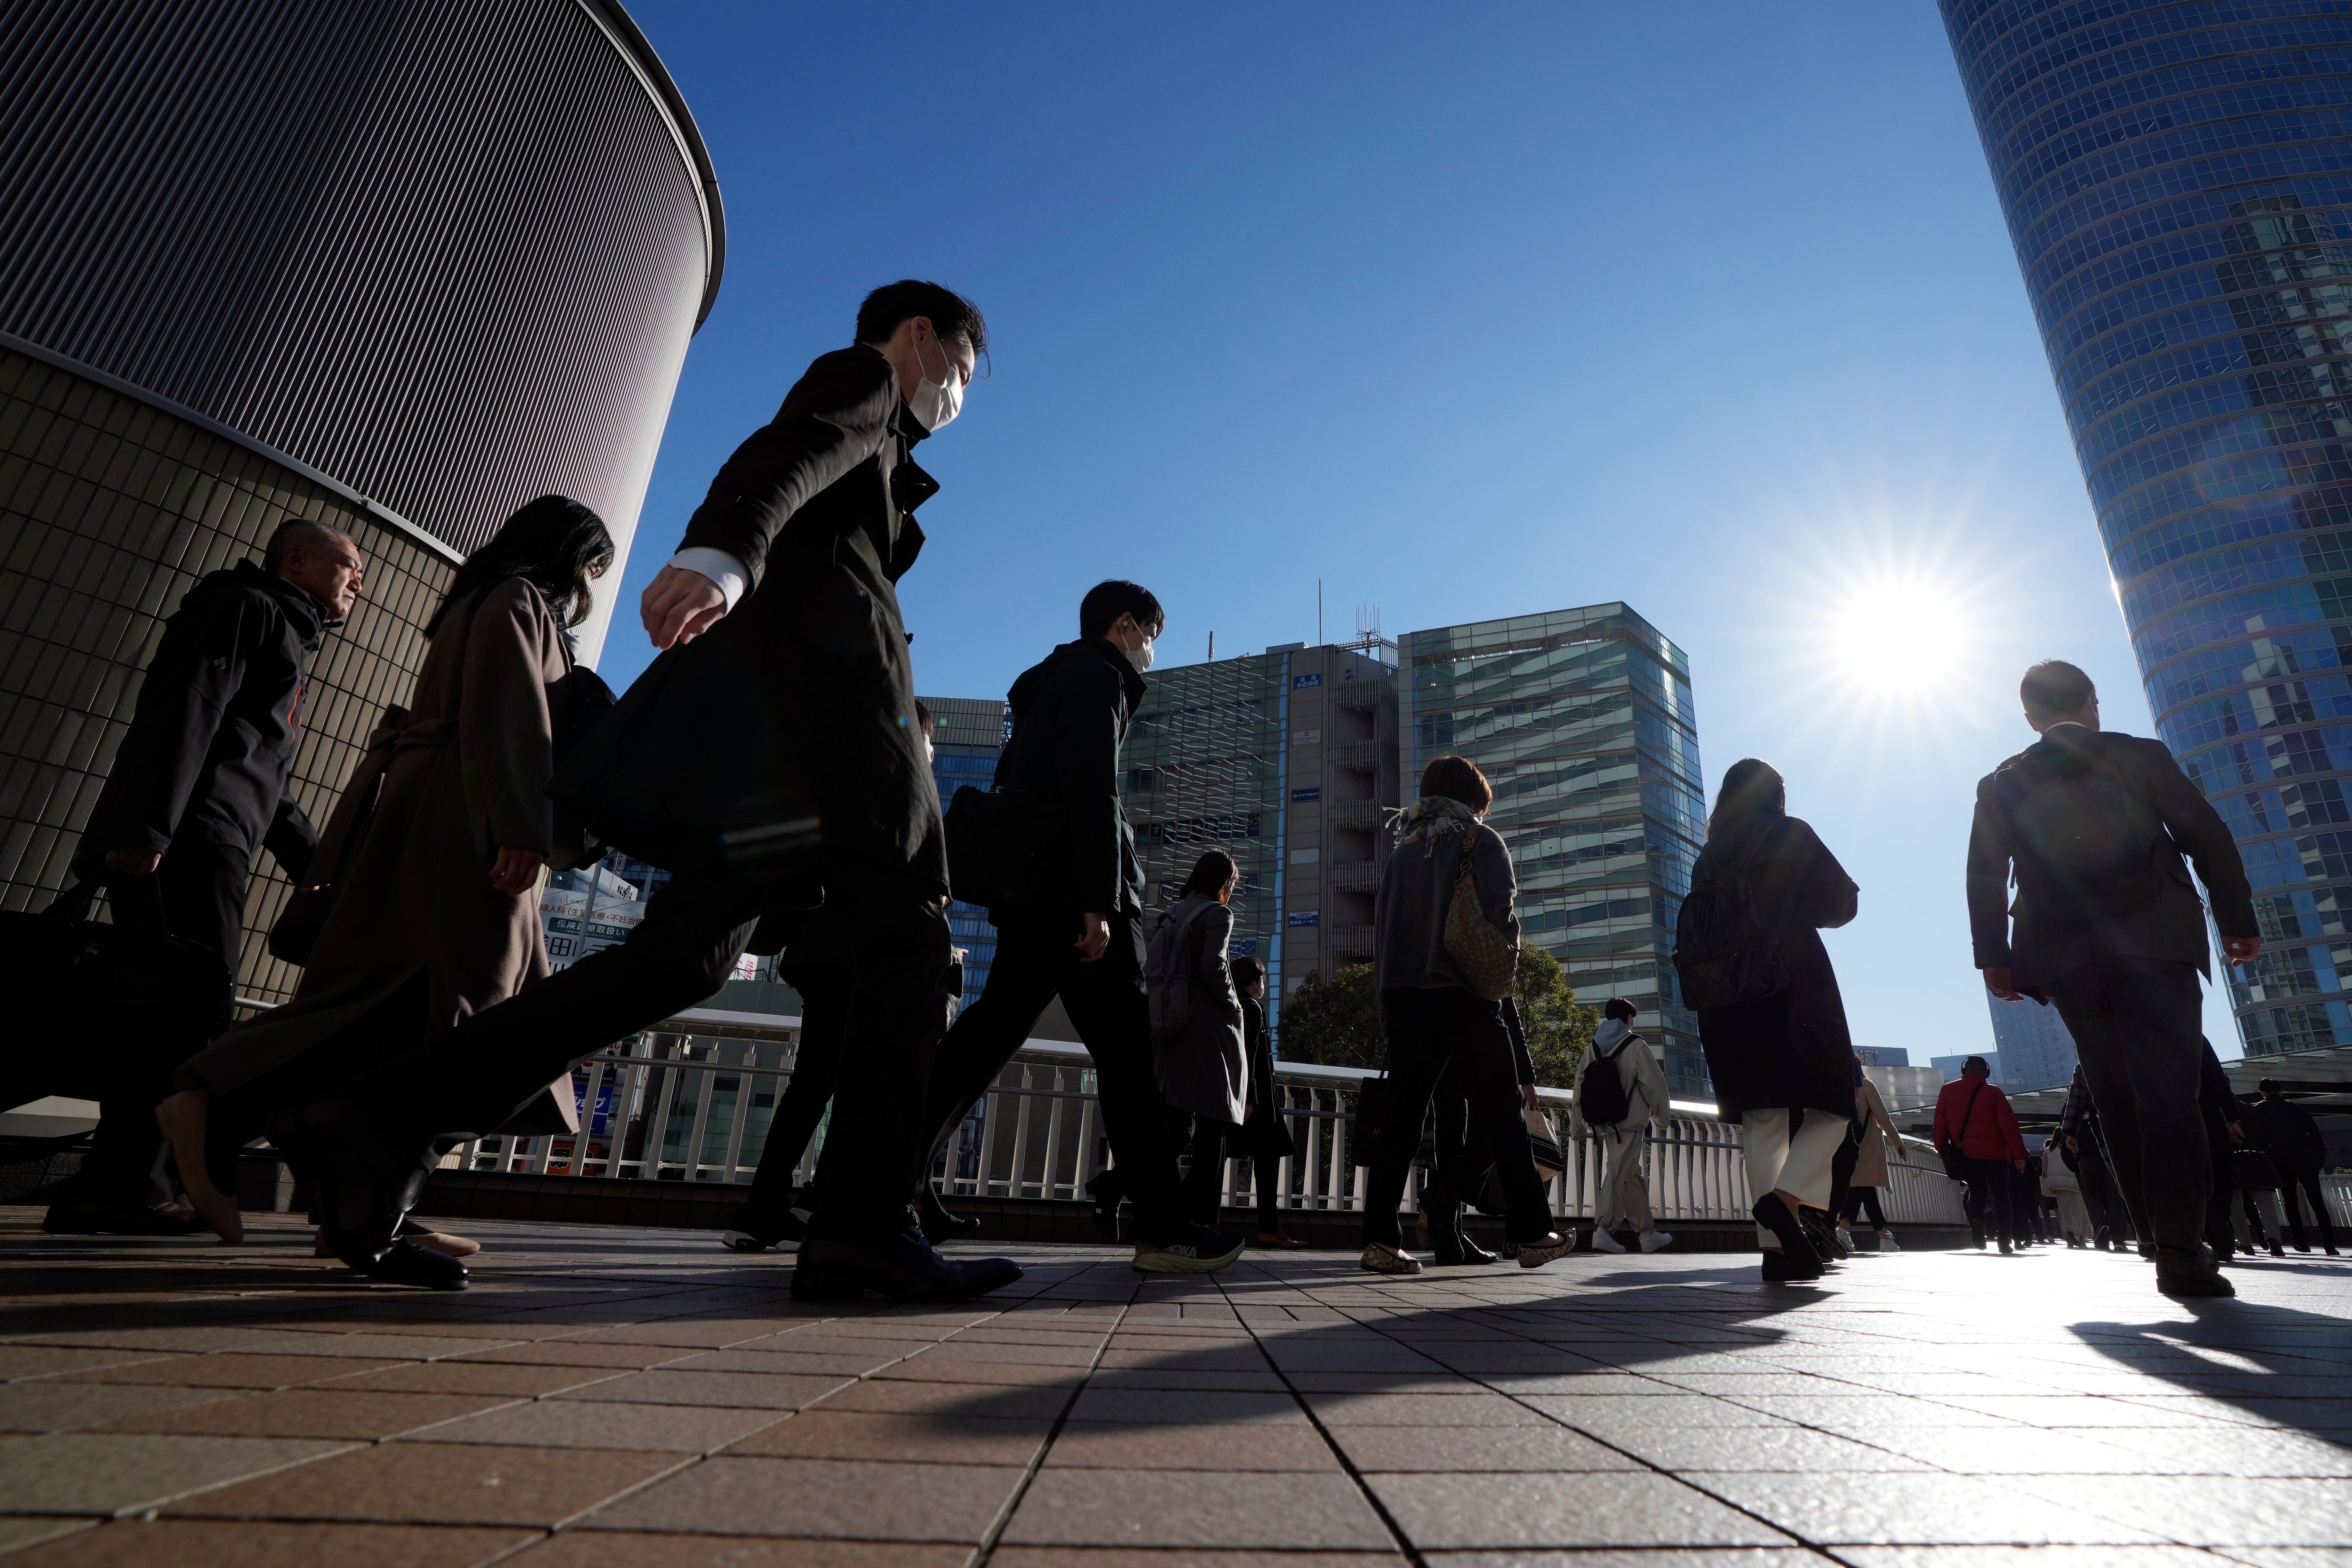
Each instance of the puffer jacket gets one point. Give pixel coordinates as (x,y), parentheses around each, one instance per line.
(1990,1131)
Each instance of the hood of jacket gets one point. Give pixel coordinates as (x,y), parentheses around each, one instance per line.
(1612,1032)
(305,615)
(1037,677)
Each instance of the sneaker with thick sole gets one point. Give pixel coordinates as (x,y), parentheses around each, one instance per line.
(1887,1242)
(1655,1240)
(1544,1249)
(1605,1241)
(1195,1249)
(1381,1259)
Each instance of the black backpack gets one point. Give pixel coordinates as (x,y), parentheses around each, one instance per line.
(2086,844)
(1727,949)
(1600,1096)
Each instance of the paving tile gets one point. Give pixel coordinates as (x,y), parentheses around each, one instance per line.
(628,1549)
(94,1472)
(2031,1557)
(28,1529)
(207,1543)
(47,1361)
(1158,1376)
(965,1369)
(1779,1448)
(1996,1451)
(1630,1412)
(232,1370)
(477,1377)
(2239,1451)
(48,1407)
(1489,1449)
(573,1353)
(1130,1508)
(1121,1557)
(1419,1410)
(1176,1407)
(1499,1511)
(860,1499)
(1839,1412)
(585,1424)
(1262,1445)
(828,1434)
(1918,1509)
(976,1399)
(2216,1510)
(312,1413)
(1684,1557)
(730,1390)
(839,1364)
(438,1483)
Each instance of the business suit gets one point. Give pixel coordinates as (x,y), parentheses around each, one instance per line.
(2121,966)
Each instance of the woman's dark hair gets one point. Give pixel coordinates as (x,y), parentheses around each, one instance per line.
(1752,792)
(951,314)
(1457,779)
(1106,602)
(555,544)
(1618,1007)
(1248,971)
(1211,872)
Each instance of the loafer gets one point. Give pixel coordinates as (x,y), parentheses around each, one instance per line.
(407,1263)
(1544,1249)
(902,1268)
(1381,1259)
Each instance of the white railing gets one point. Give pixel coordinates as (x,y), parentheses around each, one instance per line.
(691,1101)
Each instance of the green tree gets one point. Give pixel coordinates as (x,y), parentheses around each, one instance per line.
(1335,1022)
(1559,1027)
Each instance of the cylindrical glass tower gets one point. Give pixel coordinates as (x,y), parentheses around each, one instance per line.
(2177,183)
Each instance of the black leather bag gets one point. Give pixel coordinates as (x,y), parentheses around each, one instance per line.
(996,843)
(93,1006)
(576,704)
(2252,1169)
(1956,1163)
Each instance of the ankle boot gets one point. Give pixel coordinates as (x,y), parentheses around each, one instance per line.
(1796,1259)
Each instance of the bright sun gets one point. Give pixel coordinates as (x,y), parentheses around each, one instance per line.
(1900,638)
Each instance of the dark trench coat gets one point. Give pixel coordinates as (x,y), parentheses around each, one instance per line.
(1790,1050)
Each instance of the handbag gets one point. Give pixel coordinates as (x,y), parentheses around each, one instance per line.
(575,705)
(1488,961)
(994,839)
(1543,1144)
(93,1004)
(1956,1164)
(294,934)
(2252,1169)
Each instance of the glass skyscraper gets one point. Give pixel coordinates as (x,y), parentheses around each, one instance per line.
(1583,721)
(967,734)
(2178,183)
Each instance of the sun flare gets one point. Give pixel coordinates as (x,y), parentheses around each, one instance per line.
(1900,640)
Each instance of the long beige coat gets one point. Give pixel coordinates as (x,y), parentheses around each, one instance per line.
(463,776)
(1877,1130)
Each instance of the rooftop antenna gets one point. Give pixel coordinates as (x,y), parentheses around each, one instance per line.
(1318,611)
(1213,647)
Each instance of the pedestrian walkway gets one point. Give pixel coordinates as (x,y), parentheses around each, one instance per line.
(608,1397)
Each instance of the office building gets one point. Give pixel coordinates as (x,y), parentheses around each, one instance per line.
(1909,1092)
(1582,721)
(1883,1056)
(395,268)
(2034,1049)
(2178,184)
(967,734)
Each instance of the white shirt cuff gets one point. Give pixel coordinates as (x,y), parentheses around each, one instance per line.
(716,565)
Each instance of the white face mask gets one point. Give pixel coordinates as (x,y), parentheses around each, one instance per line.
(1139,657)
(933,405)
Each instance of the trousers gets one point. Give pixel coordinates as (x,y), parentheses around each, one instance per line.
(1445,1032)
(816,1071)
(1782,1158)
(1036,962)
(1991,1200)
(2295,1187)
(2138,1025)
(1858,1199)
(198,894)
(1623,1196)
(888,1014)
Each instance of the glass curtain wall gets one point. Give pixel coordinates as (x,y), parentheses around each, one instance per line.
(2178,184)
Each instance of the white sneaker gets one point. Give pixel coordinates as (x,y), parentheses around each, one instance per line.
(1603,1241)
(1845,1238)
(1887,1242)
(1654,1240)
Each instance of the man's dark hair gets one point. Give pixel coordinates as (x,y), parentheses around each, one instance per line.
(1106,602)
(2054,687)
(300,533)
(1976,1063)
(951,314)
(1457,779)
(2269,1085)
(1618,1007)
(1248,971)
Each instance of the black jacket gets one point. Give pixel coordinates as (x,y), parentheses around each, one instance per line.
(1266,1135)
(790,724)
(2172,928)
(1793,1049)
(2292,1138)
(1070,716)
(212,739)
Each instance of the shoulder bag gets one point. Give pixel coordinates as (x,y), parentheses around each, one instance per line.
(1956,1163)
(1488,961)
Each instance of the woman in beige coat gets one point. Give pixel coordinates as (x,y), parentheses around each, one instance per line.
(1876,1133)
(436,850)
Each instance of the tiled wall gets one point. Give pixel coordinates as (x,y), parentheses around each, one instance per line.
(109,510)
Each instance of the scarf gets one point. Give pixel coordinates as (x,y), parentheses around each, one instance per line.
(1427,820)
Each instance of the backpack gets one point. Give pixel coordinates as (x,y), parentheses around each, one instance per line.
(1168,965)
(2084,841)
(1601,1095)
(1725,949)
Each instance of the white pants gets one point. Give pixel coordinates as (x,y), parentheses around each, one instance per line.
(1799,1165)
(1624,1192)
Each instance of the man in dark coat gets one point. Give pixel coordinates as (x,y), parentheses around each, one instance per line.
(2078,1125)
(1079,932)
(2298,1150)
(771,760)
(197,786)
(2108,927)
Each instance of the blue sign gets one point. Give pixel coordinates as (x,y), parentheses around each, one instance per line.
(1312,791)
(1243,947)
(1298,682)
(1307,918)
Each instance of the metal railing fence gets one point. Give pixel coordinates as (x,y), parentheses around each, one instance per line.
(692,1102)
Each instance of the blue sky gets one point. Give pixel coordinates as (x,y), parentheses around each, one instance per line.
(1468,312)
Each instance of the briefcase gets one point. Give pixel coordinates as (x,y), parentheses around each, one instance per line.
(92,1006)
(994,841)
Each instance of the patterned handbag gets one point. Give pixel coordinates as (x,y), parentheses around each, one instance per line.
(1489,959)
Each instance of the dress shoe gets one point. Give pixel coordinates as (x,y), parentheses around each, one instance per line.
(406,1262)
(1798,1260)
(1779,1269)
(98,1217)
(2180,1273)
(2277,1251)
(1445,1238)
(940,1223)
(903,1267)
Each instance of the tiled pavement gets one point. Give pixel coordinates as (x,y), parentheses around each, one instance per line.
(634,1399)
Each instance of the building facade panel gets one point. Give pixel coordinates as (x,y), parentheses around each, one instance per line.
(2178,183)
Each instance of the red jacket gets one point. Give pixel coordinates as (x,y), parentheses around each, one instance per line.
(1991,1132)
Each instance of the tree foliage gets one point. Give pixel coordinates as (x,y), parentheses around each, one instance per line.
(1337,1021)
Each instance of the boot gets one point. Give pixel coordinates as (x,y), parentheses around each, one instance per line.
(1796,1259)
(2180,1273)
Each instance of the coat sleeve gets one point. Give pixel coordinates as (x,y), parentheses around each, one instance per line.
(1878,1118)
(1942,1129)
(197,669)
(2202,834)
(1524,1064)
(2012,1141)
(1988,883)
(1497,883)
(1213,966)
(506,737)
(1829,897)
(1650,1080)
(1085,763)
(837,417)
(291,838)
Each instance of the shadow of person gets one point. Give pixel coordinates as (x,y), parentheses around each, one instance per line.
(2279,1365)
